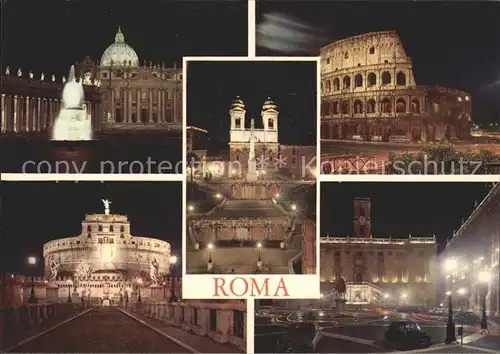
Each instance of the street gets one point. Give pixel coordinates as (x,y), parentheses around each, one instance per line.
(363,332)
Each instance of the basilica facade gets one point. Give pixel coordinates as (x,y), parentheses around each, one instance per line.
(134,96)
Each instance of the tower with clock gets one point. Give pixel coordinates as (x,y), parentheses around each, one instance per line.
(362,219)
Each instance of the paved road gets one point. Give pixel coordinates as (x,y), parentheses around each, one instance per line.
(102,330)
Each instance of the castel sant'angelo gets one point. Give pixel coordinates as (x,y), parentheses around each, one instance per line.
(369,93)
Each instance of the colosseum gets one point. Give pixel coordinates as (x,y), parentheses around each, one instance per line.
(105,261)
(369,93)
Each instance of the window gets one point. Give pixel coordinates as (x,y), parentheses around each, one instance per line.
(337,253)
(111,228)
(122,228)
(372,50)
(359,254)
(346,55)
(238,324)
(237,123)
(380,254)
(100,228)
(213,320)
(89,228)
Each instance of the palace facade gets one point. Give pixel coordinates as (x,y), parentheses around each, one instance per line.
(475,250)
(386,271)
(369,93)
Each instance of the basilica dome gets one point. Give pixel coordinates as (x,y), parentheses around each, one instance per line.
(119,53)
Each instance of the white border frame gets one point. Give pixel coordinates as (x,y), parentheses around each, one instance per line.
(91,177)
(310,283)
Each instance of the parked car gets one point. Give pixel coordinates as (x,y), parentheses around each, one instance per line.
(406,335)
(467,318)
(300,337)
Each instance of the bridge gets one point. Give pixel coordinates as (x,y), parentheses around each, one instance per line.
(135,328)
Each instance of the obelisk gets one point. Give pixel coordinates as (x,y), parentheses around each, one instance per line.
(252,163)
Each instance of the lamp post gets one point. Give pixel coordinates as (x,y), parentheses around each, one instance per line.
(70,282)
(139,282)
(173,262)
(404,296)
(484,279)
(210,265)
(32,299)
(259,260)
(450,266)
(128,290)
(386,296)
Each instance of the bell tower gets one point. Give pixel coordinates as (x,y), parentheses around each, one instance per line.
(237,114)
(269,115)
(362,218)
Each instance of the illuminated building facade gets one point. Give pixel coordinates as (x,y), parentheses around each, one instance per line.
(474,274)
(369,93)
(134,96)
(387,270)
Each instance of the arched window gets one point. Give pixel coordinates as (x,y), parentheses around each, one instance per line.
(237,123)
(401,79)
(346,82)
(346,107)
(415,106)
(400,105)
(336,84)
(386,78)
(370,106)
(270,123)
(328,86)
(358,107)
(358,80)
(386,106)
(335,107)
(372,79)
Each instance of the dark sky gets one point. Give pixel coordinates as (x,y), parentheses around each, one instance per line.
(400,209)
(451,43)
(51,35)
(36,212)
(212,87)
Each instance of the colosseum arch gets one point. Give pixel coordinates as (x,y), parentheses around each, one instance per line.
(325,108)
(386,78)
(416,133)
(415,106)
(335,107)
(372,79)
(358,80)
(346,82)
(328,86)
(400,105)
(336,84)
(335,132)
(386,106)
(370,106)
(401,79)
(358,107)
(346,107)
(431,133)
(360,130)
(346,132)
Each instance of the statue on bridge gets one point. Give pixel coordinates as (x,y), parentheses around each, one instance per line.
(53,267)
(154,271)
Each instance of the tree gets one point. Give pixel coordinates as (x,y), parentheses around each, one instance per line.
(439,159)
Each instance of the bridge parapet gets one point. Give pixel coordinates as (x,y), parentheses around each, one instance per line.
(223,322)
(16,319)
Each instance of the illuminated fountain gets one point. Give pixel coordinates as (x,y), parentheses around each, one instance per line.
(73,122)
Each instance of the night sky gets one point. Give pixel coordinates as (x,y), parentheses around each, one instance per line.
(400,209)
(51,35)
(212,87)
(451,43)
(36,212)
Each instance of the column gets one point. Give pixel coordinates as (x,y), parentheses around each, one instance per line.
(112,110)
(14,121)
(44,115)
(34,116)
(3,113)
(150,106)
(174,104)
(159,112)
(129,102)
(126,113)
(27,114)
(138,107)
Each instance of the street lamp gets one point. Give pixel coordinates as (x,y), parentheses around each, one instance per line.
(128,290)
(190,208)
(259,260)
(173,261)
(386,296)
(210,265)
(32,298)
(484,279)
(404,296)
(139,282)
(293,207)
(450,265)
(70,282)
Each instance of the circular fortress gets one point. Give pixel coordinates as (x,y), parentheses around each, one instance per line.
(106,251)
(369,93)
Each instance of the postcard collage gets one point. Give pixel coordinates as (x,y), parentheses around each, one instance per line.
(250,176)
